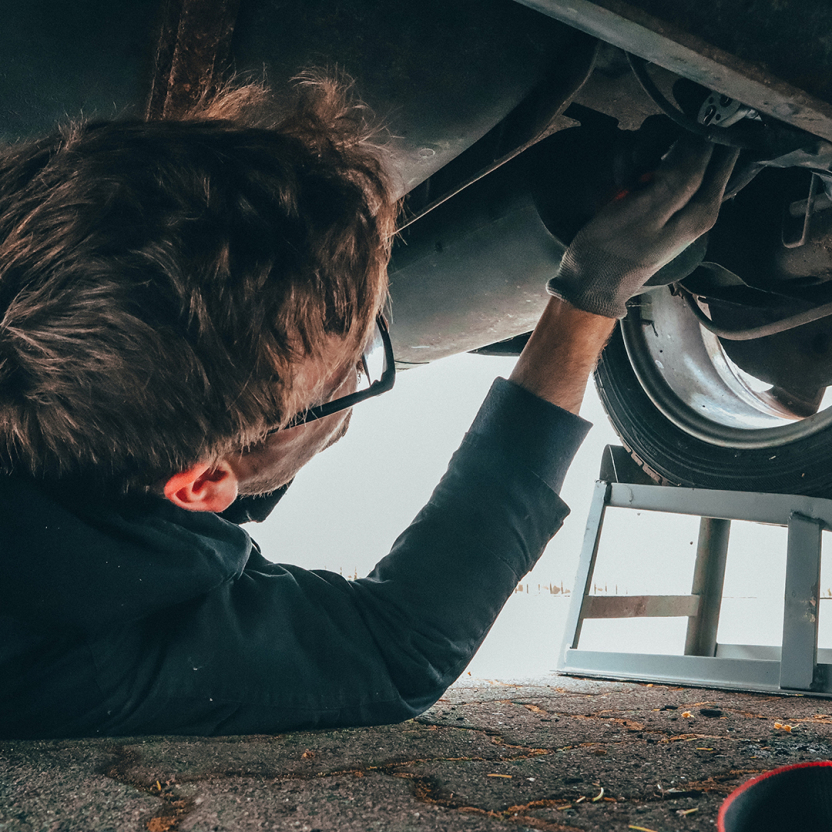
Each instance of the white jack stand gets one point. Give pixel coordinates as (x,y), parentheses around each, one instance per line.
(797,667)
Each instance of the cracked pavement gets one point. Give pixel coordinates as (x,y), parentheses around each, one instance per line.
(558,754)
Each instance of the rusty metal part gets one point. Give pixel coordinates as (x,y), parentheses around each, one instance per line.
(641,606)
(763,330)
(192,54)
(791,239)
(768,55)
(613,90)
(799,360)
(807,238)
(798,401)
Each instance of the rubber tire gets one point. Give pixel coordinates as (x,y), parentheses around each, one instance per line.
(671,456)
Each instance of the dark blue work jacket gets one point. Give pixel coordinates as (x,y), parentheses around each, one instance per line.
(135,616)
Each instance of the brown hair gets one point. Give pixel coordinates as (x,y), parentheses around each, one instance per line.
(159,280)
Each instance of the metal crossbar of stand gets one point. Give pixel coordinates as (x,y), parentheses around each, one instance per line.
(796,667)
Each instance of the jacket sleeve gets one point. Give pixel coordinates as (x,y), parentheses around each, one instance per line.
(280,647)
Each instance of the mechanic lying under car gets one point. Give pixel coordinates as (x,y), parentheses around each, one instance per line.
(189,312)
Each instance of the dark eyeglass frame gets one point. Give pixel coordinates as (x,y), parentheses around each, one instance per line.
(385,383)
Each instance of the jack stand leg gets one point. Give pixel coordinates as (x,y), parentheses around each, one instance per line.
(586,566)
(708,582)
(798,656)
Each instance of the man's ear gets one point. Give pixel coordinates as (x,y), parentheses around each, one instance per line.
(205,487)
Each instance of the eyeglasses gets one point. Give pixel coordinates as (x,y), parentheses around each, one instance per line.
(376,375)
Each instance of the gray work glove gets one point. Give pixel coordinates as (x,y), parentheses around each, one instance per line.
(631,238)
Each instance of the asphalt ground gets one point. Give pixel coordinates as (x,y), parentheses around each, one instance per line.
(556,754)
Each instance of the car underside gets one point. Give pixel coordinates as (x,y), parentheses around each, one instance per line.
(510,125)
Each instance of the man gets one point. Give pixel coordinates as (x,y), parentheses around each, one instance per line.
(184,307)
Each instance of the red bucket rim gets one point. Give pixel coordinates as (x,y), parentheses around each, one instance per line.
(720,821)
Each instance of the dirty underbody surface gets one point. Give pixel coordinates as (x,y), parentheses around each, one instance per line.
(556,754)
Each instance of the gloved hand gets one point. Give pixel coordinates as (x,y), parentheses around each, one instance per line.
(630,239)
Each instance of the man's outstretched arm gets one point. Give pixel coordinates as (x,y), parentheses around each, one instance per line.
(570,340)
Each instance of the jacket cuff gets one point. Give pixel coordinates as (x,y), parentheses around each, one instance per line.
(540,435)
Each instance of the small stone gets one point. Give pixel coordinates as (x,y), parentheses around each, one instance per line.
(711,712)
